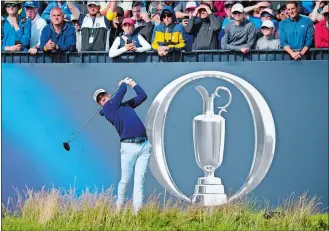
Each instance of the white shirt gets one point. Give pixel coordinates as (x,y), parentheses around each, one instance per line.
(116,51)
(38,24)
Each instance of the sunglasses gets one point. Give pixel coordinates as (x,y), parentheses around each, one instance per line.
(119,15)
(11,5)
(228,6)
(166,16)
(236,12)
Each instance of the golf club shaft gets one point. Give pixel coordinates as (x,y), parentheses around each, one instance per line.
(84,124)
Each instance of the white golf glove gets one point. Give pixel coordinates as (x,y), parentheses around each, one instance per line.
(127,80)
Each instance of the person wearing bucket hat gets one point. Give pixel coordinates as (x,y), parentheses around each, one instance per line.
(267,42)
(95,28)
(16,30)
(135,146)
(38,23)
(322,30)
(131,40)
(63,5)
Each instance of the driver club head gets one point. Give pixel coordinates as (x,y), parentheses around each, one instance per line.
(66,146)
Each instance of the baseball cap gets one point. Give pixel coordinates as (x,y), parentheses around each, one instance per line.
(325,10)
(97,92)
(190,5)
(237,7)
(267,11)
(129,21)
(32,4)
(93,2)
(268,24)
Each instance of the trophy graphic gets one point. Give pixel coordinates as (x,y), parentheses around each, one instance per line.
(209,138)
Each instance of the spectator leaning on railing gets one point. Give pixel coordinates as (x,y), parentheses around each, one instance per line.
(296,32)
(95,28)
(205,31)
(58,35)
(168,36)
(129,41)
(322,30)
(267,42)
(239,35)
(16,30)
(38,23)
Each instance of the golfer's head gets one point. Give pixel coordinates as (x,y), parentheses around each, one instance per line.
(101,97)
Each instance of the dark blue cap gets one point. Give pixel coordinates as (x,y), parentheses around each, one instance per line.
(33,4)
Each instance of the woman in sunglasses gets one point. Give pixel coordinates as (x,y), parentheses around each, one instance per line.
(16,30)
(168,36)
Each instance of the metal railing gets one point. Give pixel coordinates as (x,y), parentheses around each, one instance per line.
(151,56)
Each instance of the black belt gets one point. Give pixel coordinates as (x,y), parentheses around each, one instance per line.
(136,140)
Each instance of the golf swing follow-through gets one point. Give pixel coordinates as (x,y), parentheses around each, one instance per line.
(135,146)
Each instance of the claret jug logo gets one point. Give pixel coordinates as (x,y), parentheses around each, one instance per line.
(209,138)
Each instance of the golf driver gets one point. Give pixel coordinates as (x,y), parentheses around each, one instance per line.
(66,145)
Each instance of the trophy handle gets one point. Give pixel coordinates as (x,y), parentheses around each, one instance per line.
(223,108)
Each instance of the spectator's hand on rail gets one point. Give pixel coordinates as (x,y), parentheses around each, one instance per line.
(33,51)
(244,50)
(296,55)
(17,47)
(130,47)
(50,45)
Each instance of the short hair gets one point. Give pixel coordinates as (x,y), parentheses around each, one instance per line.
(136,4)
(293,2)
(56,8)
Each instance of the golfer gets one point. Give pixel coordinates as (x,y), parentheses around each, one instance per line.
(135,147)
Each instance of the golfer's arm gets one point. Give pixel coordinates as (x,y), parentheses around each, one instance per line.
(137,100)
(117,99)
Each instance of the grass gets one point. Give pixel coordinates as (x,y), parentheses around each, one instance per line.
(57,209)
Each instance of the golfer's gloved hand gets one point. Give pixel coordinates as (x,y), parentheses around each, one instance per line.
(101,112)
(127,80)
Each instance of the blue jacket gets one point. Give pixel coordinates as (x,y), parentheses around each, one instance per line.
(122,115)
(65,40)
(65,9)
(10,36)
(296,34)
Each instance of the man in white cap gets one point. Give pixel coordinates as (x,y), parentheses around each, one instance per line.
(37,24)
(135,147)
(239,35)
(95,28)
(267,42)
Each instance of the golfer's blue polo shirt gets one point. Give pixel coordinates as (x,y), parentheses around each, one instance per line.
(122,114)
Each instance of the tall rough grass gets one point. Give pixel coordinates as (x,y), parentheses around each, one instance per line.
(59,209)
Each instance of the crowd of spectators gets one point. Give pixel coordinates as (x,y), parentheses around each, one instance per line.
(164,26)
